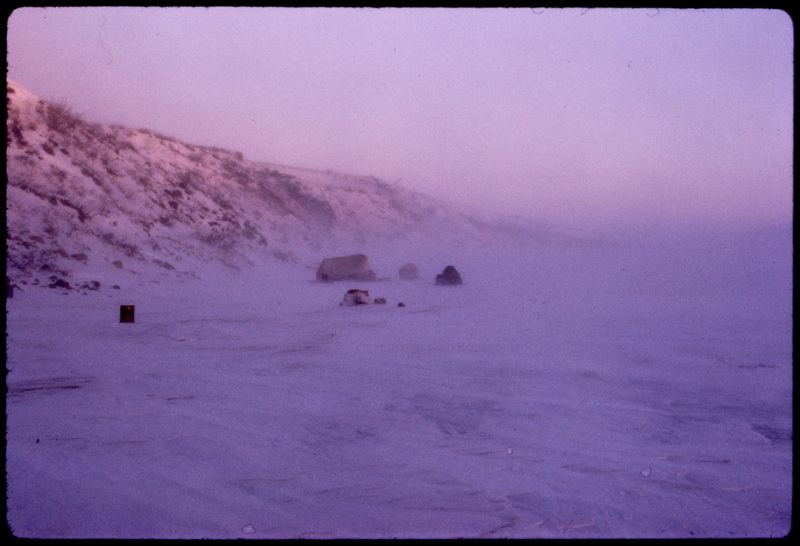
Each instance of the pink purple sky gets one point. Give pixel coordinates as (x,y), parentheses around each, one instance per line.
(564,115)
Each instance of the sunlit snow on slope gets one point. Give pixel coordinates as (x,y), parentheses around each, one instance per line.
(83,197)
(620,391)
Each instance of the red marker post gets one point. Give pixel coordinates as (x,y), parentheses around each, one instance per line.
(126,313)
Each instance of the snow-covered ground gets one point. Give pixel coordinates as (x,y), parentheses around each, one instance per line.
(639,390)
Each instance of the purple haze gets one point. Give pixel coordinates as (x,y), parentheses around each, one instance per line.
(591,117)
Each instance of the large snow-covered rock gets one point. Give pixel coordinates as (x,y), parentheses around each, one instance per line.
(409,272)
(345,268)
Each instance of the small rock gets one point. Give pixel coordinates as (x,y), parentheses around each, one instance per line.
(91,285)
(379,301)
(60,283)
(356,296)
(401,304)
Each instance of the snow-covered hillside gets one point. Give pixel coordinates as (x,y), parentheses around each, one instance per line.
(88,202)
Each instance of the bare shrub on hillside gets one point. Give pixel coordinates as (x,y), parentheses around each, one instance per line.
(236,171)
(15,130)
(112,240)
(218,198)
(189,181)
(318,209)
(225,240)
(60,118)
(93,176)
(264,180)
(95,129)
(250,232)
(120,145)
(59,174)
(31,151)
(410,212)
(27,186)
(25,259)
(82,216)
(118,138)
(164,264)
(159,136)
(25,159)
(108,165)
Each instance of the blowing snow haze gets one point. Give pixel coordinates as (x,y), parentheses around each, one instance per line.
(580,117)
(84,196)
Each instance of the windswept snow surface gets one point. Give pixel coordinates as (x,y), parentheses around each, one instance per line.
(637,390)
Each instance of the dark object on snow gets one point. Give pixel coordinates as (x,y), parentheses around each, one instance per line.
(448,277)
(380,301)
(401,304)
(91,285)
(9,289)
(345,268)
(356,296)
(126,313)
(409,272)
(59,283)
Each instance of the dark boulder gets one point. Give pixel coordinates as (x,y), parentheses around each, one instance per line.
(449,277)
(59,283)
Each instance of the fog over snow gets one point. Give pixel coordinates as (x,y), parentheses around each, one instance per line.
(595,117)
(613,186)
